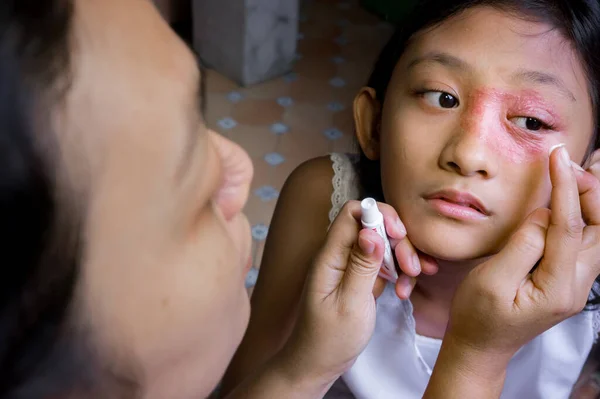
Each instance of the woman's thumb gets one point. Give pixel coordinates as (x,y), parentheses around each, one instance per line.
(526,246)
(364,264)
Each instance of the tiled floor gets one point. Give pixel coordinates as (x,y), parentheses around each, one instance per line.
(306,113)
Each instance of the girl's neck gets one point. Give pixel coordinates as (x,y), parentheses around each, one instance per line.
(441,286)
(432,296)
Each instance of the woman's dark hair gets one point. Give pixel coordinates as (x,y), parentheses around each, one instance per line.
(577,20)
(42,352)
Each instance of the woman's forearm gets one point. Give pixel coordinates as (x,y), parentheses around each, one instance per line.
(280,378)
(460,373)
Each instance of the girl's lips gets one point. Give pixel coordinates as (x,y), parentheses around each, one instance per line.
(461,199)
(454,210)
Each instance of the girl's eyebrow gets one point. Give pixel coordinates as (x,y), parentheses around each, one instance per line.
(522,75)
(544,79)
(443,59)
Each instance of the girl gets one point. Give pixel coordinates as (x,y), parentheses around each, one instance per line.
(455,127)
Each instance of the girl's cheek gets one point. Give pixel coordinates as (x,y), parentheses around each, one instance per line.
(516,147)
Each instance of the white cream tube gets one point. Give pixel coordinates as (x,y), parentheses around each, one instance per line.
(372,219)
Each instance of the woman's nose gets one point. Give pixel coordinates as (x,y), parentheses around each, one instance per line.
(237,175)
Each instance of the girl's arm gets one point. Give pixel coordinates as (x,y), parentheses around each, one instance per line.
(296,233)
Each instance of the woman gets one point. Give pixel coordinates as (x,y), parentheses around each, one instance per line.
(125,248)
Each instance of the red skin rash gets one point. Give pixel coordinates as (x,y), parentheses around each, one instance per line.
(489,114)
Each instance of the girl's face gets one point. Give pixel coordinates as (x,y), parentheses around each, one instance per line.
(473,107)
(166,246)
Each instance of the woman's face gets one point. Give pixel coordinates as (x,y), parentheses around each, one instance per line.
(166,245)
(473,107)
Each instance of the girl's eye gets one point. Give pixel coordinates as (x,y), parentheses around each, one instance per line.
(529,123)
(440,99)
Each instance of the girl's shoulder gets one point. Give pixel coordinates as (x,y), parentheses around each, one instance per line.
(310,184)
(322,184)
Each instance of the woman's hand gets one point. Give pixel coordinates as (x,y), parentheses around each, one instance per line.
(502,304)
(411,261)
(337,315)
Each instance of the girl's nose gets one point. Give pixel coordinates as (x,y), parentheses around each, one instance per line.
(468,151)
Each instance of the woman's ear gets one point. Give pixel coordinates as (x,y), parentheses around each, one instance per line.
(367,117)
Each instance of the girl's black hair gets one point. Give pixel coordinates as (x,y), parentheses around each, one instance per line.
(577,20)
(42,353)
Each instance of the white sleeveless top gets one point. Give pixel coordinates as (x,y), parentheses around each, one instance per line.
(397,362)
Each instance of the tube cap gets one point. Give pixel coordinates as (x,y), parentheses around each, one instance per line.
(370,211)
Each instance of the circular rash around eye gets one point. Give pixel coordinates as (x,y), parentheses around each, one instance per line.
(485,116)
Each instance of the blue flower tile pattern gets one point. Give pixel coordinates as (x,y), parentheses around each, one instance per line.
(259,232)
(285,101)
(338,59)
(235,97)
(227,123)
(341,41)
(274,158)
(337,82)
(251,278)
(279,128)
(335,106)
(333,134)
(267,193)
(290,77)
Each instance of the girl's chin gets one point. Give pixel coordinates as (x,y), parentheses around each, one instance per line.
(452,251)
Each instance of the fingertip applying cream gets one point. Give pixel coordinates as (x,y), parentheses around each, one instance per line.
(554,147)
(564,155)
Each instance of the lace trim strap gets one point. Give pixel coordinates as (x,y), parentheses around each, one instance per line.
(344,182)
(596,315)
(596,324)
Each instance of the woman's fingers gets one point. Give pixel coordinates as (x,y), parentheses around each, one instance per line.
(379,286)
(404,286)
(363,266)
(429,265)
(393,225)
(341,239)
(525,247)
(589,196)
(588,183)
(407,257)
(351,257)
(563,240)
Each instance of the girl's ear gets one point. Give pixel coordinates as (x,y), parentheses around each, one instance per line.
(367,118)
